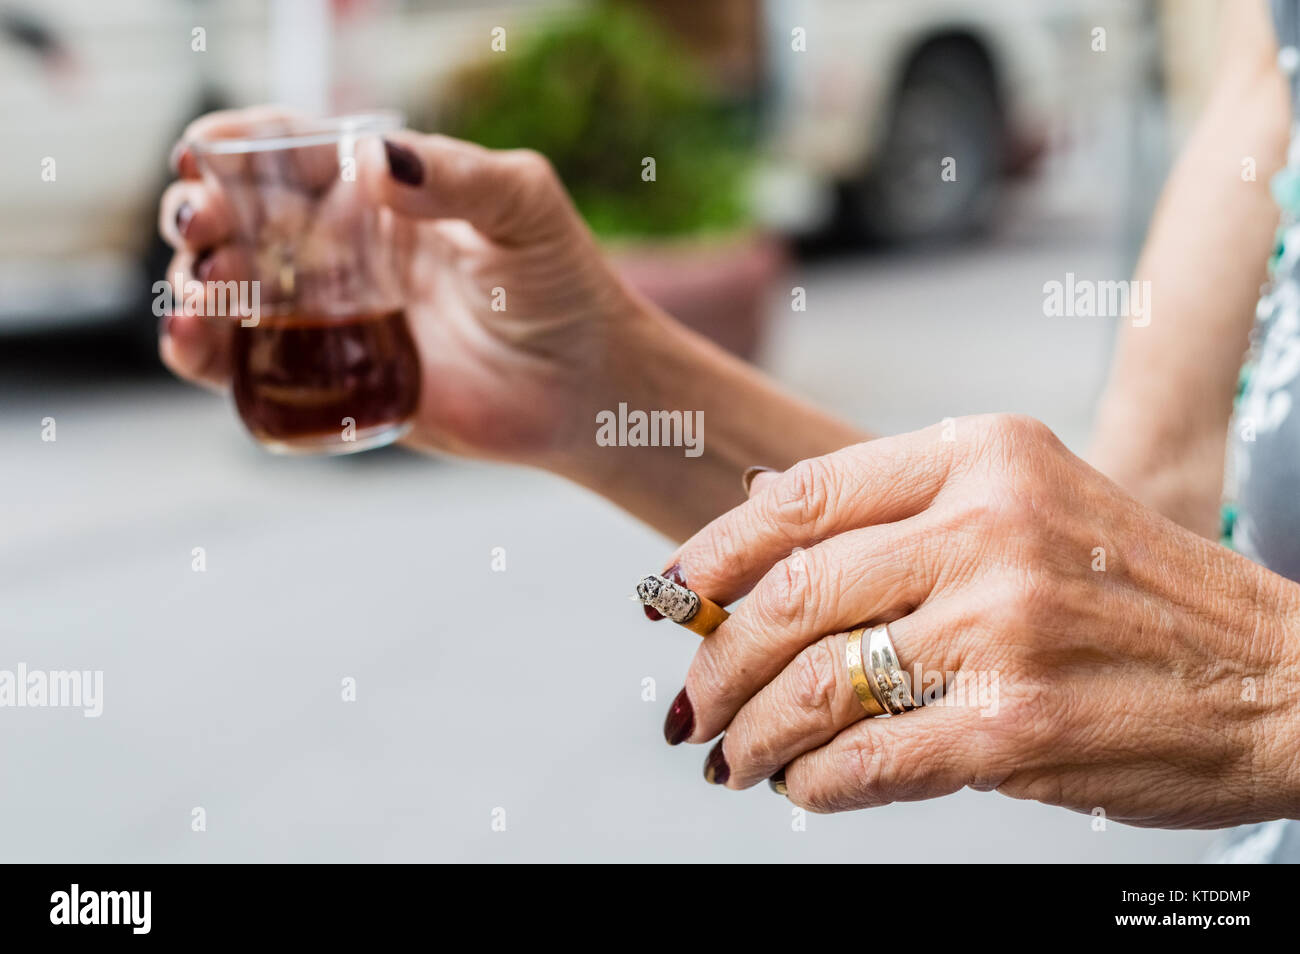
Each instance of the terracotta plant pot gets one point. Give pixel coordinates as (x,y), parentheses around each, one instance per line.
(718,288)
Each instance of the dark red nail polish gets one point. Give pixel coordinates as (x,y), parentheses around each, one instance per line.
(673,573)
(184,216)
(716,769)
(404,164)
(777,783)
(203,265)
(681,720)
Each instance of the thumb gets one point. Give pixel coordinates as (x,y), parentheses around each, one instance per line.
(512,196)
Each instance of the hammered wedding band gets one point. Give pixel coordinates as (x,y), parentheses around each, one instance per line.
(857,674)
(889,684)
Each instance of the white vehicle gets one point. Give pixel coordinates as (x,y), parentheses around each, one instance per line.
(871,97)
(95,93)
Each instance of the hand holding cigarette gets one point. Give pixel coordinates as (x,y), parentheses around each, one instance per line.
(1063,642)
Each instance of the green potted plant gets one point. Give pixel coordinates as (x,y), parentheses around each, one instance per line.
(656,162)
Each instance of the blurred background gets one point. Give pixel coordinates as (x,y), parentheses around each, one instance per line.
(798,144)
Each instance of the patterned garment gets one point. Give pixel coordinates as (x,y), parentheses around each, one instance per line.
(1265,449)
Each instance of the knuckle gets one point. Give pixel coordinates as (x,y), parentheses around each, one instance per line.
(999,510)
(746,749)
(725,542)
(1004,437)
(862,762)
(708,685)
(1035,602)
(524,188)
(1030,720)
(815,797)
(1015,601)
(799,591)
(804,495)
(850,779)
(1020,428)
(532,172)
(817,680)
(531,163)
(978,514)
(786,598)
(1013,513)
(753,748)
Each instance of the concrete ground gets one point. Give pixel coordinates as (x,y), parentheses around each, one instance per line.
(222,689)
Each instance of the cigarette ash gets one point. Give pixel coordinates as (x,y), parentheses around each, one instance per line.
(671,599)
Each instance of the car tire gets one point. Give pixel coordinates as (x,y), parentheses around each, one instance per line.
(945,106)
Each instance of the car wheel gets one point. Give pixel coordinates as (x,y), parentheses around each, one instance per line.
(946,107)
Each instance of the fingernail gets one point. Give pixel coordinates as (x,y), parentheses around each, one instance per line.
(184,216)
(404,164)
(203,265)
(673,573)
(165,325)
(777,783)
(716,770)
(681,720)
(747,478)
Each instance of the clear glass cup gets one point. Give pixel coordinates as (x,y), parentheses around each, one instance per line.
(326,363)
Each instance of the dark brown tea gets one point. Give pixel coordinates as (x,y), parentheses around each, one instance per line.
(326,383)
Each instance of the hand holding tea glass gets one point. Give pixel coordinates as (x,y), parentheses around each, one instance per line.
(311,212)
(523,331)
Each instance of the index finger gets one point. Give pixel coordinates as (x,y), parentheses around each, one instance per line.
(879,481)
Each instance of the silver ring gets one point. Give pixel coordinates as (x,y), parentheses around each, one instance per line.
(890,684)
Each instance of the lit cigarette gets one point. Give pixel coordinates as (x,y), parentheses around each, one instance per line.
(681,605)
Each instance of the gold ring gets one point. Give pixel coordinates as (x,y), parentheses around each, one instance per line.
(857,674)
(890,685)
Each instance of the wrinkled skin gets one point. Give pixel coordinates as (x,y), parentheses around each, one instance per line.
(1157,686)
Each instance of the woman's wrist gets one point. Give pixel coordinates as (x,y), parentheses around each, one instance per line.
(671,408)
(1178,473)
(628,365)
(1278,735)
(1238,668)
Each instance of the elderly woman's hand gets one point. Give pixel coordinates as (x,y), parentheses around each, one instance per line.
(527,336)
(521,323)
(1095,654)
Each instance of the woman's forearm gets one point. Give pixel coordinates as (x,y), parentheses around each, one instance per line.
(732,417)
(1162,423)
